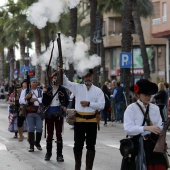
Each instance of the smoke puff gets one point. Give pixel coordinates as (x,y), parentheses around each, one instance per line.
(42,11)
(73,53)
(39,13)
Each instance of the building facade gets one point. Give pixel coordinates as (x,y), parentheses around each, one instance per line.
(156,49)
(161,28)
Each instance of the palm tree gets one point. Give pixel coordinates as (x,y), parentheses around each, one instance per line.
(144,9)
(127,27)
(93,10)
(148,9)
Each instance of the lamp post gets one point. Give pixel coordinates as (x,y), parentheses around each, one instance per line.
(97,39)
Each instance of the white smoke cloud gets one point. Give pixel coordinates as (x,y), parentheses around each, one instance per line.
(73,3)
(73,53)
(41,12)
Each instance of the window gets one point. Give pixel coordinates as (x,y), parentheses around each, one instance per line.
(115,26)
(164,12)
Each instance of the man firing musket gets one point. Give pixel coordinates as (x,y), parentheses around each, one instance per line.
(56,99)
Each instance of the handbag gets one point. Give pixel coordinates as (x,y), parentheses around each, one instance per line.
(70,116)
(129,146)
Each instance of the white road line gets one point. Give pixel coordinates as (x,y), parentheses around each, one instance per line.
(117,146)
(2,147)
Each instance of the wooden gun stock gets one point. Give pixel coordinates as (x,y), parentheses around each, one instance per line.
(60,75)
(28,83)
(161,144)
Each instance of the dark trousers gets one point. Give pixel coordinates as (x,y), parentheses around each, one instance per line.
(85,131)
(105,114)
(56,122)
(20,121)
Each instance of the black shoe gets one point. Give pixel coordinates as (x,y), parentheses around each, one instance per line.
(31,149)
(47,157)
(38,146)
(60,158)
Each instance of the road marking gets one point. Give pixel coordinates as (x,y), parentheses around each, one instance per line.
(2,147)
(115,146)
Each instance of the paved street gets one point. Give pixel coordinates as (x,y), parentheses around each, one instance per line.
(14,154)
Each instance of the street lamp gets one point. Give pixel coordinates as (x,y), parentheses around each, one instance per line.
(97,39)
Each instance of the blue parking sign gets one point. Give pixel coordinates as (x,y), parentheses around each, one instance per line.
(125,60)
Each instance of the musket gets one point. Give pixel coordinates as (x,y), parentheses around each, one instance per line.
(28,83)
(48,82)
(161,144)
(60,61)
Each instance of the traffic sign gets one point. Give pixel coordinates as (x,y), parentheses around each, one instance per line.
(125,60)
(23,69)
(31,73)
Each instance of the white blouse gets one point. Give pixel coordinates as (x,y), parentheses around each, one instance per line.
(133,118)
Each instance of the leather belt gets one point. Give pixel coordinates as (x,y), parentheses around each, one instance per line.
(86,116)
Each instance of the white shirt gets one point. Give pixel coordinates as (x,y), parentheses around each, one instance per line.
(55,101)
(133,118)
(94,95)
(34,95)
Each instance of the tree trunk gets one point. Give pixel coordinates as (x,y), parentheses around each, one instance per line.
(2,66)
(127,27)
(22,53)
(38,52)
(139,30)
(73,26)
(93,10)
(102,54)
(11,60)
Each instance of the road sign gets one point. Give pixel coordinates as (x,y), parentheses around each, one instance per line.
(125,60)
(23,69)
(15,71)
(31,73)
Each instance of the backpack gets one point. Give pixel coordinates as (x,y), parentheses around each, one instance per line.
(107,101)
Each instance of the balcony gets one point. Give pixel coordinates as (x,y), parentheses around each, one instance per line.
(160,27)
(156,21)
(164,19)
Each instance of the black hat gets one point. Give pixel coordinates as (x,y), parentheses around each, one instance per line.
(89,72)
(25,80)
(144,86)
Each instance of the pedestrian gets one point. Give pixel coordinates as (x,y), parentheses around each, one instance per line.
(89,99)
(143,122)
(57,99)
(113,111)
(2,92)
(118,98)
(167,95)
(13,102)
(33,101)
(22,113)
(160,99)
(105,111)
